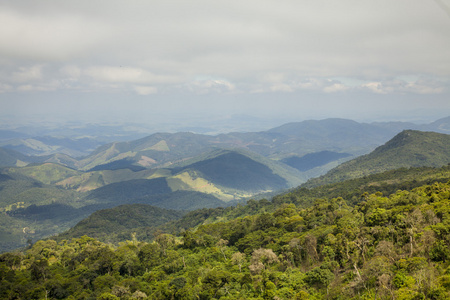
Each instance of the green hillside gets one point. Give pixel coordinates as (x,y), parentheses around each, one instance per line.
(225,174)
(48,145)
(407,149)
(32,210)
(125,191)
(182,200)
(240,160)
(164,149)
(47,173)
(11,158)
(237,171)
(293,139)
(17,188)
(354,190)
(48,198)
(385,247)
(313,160)
(116,224)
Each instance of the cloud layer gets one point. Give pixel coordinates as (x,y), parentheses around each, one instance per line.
(225,47)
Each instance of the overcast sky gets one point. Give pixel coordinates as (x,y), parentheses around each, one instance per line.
(130,60)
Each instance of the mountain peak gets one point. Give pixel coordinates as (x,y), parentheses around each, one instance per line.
(409,148)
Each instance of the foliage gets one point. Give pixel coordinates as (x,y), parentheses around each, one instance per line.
(117,224)
(385,247)
(238,171)
(352,190)
(410,148)
(313,160)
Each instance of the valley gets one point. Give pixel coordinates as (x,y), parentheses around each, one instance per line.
(232,150)
(383,235)
(49,194)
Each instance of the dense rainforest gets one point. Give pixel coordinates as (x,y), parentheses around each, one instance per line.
(379,246)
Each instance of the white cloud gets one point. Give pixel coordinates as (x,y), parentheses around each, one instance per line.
(281,87)
(145,90)
(126,75)
(375,87)
(208,85)
(25,74)
(5,88)
(50,36)
(400,86)
(335,87)
(423,86)
(71,71)
(260,49)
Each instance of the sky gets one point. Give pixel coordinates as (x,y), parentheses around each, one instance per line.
(186,60)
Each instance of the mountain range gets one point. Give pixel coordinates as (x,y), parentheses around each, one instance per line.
(375,226)
(292,140)
(410,148)
(411,159)
(44,195)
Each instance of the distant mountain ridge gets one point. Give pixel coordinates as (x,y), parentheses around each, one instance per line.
(291,139)
(188,171)
(410,148)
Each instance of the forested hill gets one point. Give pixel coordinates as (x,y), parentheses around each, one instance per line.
(410,148)
(118,224)
(394,247)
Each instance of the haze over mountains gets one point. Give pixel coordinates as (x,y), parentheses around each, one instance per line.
(44,195)
(292,139)
(380,171)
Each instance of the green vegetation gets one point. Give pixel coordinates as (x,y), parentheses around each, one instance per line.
(202,182)
(47,173)
(119,164)
(353,190)
(313,160)
(407,149)
(239,172)
(116,224)
(378,236)
(384,247)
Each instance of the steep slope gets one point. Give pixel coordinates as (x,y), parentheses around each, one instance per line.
(125,191)
(300,138)
(118,165)
(163,149)
(118,223)
(17,188)
(47,173)
(11,158)
(355,190)
(441,126)
(409,148)
(335,135)
(156,150)
(393,247)
(237,171)
(313,160)
(48,145)
(30,209)
(225,174)
(241,170)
